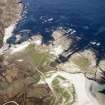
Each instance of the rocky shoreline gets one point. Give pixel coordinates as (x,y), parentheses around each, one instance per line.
(10,11)
(68,70)
(84,61)
(23,71)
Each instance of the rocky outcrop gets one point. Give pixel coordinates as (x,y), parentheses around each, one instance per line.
(60,44)
(1,33)
(10,11)
(100,74)
(9,14)
(82,61)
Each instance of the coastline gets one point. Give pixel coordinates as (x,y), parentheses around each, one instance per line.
(9,29)
(80,89)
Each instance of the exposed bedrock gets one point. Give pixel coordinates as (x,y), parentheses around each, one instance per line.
(84,60)
(9,13)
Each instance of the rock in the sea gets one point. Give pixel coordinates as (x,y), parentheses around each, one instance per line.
(60,44)
(61,39)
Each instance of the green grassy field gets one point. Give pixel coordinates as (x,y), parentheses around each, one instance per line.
(64,95)
(38,58)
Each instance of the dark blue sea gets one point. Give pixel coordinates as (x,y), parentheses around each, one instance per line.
(87,17)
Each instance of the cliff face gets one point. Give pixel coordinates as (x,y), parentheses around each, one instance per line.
(9,14)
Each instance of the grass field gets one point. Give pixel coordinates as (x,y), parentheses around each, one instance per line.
(38,58)
(65,95)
